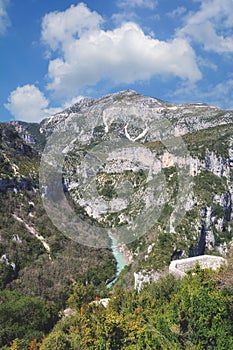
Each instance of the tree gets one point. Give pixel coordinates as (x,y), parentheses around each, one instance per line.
(24,317)
(203,312)
(56,340)
(81,294)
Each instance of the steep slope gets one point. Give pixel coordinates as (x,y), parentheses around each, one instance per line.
(30,133)
(158,176)
(35,258)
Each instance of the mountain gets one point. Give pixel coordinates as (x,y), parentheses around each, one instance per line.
(184,151)
(159,175)
(146,179)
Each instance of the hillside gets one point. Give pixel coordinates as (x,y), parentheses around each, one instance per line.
(36,258)
(151,179)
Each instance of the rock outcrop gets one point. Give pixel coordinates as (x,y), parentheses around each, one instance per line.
(180,267)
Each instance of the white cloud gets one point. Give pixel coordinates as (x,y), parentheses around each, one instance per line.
(4,19)
(60,28)
(122,55)
(150,4)
(124,16)
(207,63)
(211,26)
(219,95)
(27,103)
(177,12)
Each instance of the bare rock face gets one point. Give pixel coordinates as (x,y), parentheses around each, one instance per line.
(143,277)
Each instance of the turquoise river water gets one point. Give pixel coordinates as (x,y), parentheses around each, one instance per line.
(120,259)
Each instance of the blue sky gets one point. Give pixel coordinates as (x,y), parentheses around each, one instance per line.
(54,52)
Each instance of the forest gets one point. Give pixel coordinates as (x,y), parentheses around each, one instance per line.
(195,313)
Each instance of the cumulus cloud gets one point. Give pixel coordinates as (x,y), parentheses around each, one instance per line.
(61,28)
(211,25)
(150,4)
(27,103)
(4,19)
(88,54)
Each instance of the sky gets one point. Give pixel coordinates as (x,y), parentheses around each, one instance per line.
(53,53)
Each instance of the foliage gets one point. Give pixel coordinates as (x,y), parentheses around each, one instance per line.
(213,138)
(80,295)
(56,340)
(206,182)
(35,274)
(24,317)
(194,313)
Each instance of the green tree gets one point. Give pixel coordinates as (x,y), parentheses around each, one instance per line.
(81,294)
(57,340)
(203,312)
(24,317)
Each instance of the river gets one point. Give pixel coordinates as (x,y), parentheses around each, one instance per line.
(120,259)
